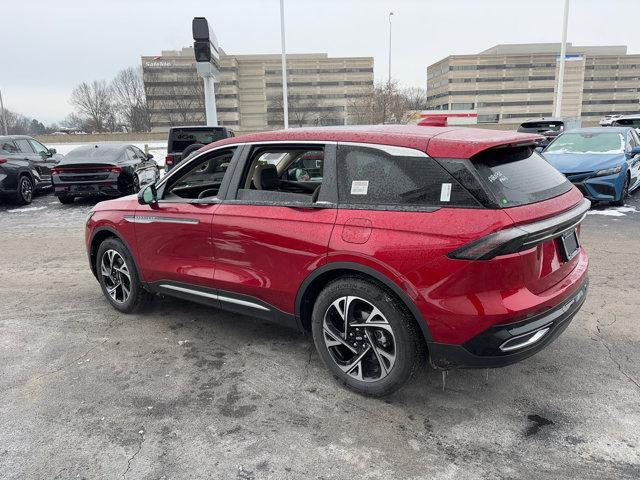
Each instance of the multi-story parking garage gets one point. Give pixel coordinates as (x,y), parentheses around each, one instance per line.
(249,89)
(509,83)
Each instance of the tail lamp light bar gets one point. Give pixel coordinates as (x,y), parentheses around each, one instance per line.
(522,237)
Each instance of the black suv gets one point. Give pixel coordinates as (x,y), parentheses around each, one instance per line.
(181,138)
(25,166)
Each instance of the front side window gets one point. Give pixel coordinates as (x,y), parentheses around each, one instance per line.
(588,142)
(283,174)
(38,147)
(201,179)
(374,178)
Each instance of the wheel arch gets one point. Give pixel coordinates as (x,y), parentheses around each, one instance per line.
(315,282)
(98,236)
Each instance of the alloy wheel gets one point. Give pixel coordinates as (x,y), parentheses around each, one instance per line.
(26,190)
(115,275)
(359,338)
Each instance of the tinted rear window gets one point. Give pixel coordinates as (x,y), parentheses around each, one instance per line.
(536,127)
(93,154)
(519,176)
(181,138)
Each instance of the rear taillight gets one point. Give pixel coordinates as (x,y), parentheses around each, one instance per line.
(55,171)
(3,160)
(524,237)
(115,169)
(169,160)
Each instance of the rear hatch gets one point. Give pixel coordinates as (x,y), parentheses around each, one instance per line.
(545,208)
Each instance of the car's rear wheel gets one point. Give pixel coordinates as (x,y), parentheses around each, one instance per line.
(366,336)
(119,278)
(66,199)
(624,194)
(24,195)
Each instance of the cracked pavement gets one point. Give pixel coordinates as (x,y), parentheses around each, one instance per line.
(182,391)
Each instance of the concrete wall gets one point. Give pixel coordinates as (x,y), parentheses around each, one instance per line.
(103,137)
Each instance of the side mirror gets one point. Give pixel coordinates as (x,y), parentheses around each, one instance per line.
(51,152)
(633,152)
(148,195)
(149,156)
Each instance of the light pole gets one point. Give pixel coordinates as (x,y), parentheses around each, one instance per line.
(4,116)
(285,96)
(390,15)
(563,53)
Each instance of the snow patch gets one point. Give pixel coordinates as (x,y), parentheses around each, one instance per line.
(25,209)
(614,212)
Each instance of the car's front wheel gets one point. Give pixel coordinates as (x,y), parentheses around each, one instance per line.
(624,194)
(118,277)
(24,195)
(366,336)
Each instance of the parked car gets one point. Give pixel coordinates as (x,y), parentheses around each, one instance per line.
(407,238)
(25,166)
(109,170)
(181,138)
(549,128)
(632,121)
(607,120)
(603,163)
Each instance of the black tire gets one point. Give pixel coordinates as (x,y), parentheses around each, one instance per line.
(409,346)
(66,199)
(624,194)
(138,296)
(24,194)
(136,184)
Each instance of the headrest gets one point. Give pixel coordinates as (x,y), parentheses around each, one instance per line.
(266,177)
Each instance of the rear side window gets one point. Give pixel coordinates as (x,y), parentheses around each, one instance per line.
(518,176)
(8,147)
(24,146)
(397,178)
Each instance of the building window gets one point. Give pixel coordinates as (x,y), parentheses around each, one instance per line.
(489,118)
(462,106)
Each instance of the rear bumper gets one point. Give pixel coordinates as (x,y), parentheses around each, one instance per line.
(95,189)
(495,346)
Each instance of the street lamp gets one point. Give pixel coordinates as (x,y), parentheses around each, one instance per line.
(285,97)
(563,54)
(390,15)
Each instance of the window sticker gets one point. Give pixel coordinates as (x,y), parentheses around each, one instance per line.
(498,175)
(445,192)
(359,187)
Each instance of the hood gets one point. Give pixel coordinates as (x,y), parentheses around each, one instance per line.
(128,203)
(583,162)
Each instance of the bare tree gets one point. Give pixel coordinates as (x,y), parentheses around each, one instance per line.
(178,103)
(415,98)
(17,124)
(130,100)
(94,101)
(302,111)
(76,122)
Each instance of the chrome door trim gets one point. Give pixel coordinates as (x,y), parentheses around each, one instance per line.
(214,296)
(152,219)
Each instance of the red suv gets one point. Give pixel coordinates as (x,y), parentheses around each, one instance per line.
(461,242)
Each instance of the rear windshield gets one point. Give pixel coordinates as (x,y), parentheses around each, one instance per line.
(588,142)
(628,122)
(181,138)
(98,154)
(536,127)
(519,176)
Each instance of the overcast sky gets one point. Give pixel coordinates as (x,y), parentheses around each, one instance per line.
(47,47)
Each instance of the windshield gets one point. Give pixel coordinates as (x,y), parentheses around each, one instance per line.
(583,142)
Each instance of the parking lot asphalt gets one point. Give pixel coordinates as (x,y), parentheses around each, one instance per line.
(182,391)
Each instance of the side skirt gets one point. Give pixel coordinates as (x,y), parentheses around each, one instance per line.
(228,301)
